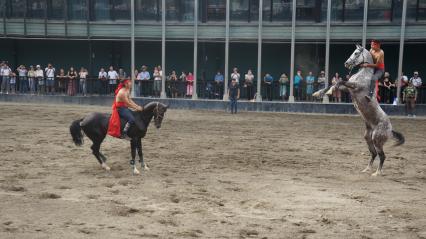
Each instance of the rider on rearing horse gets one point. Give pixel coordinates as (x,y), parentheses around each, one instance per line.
(379,64)
(122,103)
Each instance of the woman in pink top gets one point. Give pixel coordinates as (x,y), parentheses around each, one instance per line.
(189,84)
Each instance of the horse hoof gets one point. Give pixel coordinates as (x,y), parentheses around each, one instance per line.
(376,174)
(104,166)
(135,171)
(146,168)
(365,170)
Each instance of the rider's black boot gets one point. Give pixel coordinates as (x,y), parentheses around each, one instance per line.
(125,130)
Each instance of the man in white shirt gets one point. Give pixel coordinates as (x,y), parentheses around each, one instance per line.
(103,82)
(39,74)
(112,77)
(50,79)
(5,74)
(417,81)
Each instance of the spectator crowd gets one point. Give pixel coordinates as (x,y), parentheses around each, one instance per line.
(48,80)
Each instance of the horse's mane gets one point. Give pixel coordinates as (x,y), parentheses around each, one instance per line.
(150,105)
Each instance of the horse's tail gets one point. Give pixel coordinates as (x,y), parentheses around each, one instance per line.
(75,130)
(398,137)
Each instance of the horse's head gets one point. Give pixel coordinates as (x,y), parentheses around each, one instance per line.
(356,58)
(159,111)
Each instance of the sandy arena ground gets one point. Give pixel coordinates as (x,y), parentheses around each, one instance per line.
(213,175)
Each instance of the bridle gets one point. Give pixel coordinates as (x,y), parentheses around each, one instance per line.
(361,51)
(157,112)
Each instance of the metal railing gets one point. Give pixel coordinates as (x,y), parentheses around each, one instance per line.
(177,89)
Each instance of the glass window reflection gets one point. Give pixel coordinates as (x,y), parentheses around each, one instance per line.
(354,10)
(36,9)
(17,8)
(102,10)
(216,10)
(281,10)
(121,9)
(56,9)
(380,10)
(148,10)
(77,10)
(239,10)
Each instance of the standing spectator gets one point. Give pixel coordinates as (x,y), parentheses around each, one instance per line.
(283,86)
(50,79)
(297,84)
(157,82)
(103,81)
(61,79)
(23,80)
(389,87)
(144,77)
(337,94)
(32,80)
(182,84)
(41,87)
(310,80)
(72,79)
(248,84)
(112,77)
(218,80)
(410,97)
(5,83)
(234,95)
(83,81)
(173,84)
(13,83)
(268,80)
(321,80)
(235,75)
(121,74)
(189,84)
(416,80)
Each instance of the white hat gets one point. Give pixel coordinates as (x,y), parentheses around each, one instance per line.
(38,66)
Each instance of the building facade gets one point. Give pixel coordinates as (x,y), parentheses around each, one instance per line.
(266,36)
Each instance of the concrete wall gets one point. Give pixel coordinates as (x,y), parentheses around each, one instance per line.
(211,104)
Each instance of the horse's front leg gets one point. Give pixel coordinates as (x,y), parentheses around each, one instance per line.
(133,145)
(140,153)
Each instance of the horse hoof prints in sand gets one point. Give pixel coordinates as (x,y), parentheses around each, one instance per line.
(378,126)
(95,127)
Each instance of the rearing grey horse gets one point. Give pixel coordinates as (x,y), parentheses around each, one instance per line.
(378,125)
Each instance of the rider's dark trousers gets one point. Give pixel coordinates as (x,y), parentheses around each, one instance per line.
(126,114)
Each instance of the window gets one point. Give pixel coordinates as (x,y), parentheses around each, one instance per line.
(380,10)
(187,10)
(102,10)
(173,10)
(281,10)
(267,4)
(254,10)
(216,10)
(354,10)
(36,8)
(148,10)
(17,8)
(309,10)
(239,10)
(121,9)
(55,9)
(421,11)
(77,10)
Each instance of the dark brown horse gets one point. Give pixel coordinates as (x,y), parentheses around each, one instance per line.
(95,127)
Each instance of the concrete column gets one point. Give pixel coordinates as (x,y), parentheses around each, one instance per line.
(259,53)
(401,49)
(364,23)
(293,40)
(132,45)
(226,70)
(163,49)
(194,92)
(325,99)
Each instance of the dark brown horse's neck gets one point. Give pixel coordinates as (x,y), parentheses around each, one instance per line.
(148,113)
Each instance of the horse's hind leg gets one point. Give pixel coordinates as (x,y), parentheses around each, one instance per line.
(379,140)
(140,153)
(95,150)
(368,135)
(133,145)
